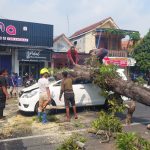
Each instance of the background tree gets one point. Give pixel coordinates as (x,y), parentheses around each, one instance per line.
(142,54)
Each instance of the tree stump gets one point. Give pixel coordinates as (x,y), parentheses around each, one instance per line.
(130,108)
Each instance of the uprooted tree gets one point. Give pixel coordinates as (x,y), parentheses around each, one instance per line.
(108,79)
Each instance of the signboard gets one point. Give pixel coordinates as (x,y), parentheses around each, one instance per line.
(120,61)
(25,33)
(34,55)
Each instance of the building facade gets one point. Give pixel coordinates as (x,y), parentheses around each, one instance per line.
(88,38)
(25,47)
(61,43)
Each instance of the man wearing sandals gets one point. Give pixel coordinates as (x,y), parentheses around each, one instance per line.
(66,88)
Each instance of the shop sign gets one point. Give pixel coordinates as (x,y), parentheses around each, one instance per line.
(34,55)
(25,33)
(10,29)
(120,61)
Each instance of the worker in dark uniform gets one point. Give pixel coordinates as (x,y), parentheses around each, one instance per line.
(3,92)
(66,88)
(99,53)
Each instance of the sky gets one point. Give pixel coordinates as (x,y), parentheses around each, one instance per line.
(69,16)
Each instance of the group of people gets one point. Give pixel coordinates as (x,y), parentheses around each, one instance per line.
(66,85)
(45,96)
(73,56)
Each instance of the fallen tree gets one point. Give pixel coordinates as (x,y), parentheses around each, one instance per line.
(107,78)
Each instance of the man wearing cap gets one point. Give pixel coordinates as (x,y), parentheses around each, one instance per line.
(44,94)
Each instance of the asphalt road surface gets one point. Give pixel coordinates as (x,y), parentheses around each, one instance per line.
(141,116)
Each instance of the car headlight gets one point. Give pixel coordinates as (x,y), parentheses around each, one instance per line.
(29,95)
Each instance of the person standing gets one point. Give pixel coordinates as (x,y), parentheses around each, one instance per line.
(14,84)
(67,89)
(73,57)
(44,94)
(3,92)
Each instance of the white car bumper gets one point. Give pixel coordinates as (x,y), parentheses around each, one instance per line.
(26,105)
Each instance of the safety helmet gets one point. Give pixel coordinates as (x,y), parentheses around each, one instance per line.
(44,70)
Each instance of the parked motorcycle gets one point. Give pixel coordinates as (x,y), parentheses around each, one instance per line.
(28,80)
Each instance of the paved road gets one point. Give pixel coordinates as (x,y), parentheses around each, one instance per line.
(141,115)
(34,143)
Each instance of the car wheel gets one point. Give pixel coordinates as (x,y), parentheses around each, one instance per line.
(36,107)
(53,103)
(52,111)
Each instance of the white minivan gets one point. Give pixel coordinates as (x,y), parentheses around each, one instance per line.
(86,94)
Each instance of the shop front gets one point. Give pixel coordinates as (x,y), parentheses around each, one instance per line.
(32,60)
(25,47)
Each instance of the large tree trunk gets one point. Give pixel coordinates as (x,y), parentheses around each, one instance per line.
(125,88)
(131,90)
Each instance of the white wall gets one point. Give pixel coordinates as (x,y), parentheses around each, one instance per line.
(80,43)
(61,45)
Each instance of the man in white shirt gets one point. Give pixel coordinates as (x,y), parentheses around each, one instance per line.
(44,94)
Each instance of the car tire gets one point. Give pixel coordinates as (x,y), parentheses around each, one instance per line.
(36,107)
(52,111)
(53,103)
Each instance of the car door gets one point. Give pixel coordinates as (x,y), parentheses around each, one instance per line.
(81,95)
(55,92)
(94,93)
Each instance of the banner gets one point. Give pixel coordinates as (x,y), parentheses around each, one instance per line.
(119,61)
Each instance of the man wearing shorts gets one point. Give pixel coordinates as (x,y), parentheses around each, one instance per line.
(44,94)
(66,88)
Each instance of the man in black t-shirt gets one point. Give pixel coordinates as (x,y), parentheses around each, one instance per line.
(3,92)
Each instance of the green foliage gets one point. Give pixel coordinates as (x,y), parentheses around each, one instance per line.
(108,71)
(116,106)
(70,144)
(131,141)
(140,81)
(142,53)
(134,36)
(107,122)
(105,73)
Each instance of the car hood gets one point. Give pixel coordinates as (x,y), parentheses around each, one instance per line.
(34,86)
(30,88)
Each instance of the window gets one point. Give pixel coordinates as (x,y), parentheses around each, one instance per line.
(75,43)
(81,81)
(57,84)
